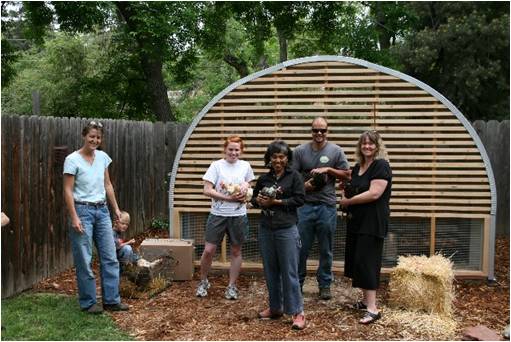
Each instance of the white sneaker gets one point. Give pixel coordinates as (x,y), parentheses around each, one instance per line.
(231,292)
(202,288)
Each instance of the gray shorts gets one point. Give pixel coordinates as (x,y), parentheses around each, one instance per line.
(235,226)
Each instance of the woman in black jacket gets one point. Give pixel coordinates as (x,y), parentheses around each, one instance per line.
(279,193)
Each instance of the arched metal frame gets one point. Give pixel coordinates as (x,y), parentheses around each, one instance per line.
(423,86)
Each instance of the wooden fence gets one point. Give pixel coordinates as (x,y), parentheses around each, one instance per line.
(36,245)
(495,138)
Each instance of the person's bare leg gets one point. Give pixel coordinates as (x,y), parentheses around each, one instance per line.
(370,301)
(236,260)
(207,259)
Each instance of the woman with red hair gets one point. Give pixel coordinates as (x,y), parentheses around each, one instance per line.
(228,212)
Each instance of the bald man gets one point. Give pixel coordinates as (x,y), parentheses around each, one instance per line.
(320,162)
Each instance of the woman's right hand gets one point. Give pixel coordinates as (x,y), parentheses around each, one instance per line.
(238,197)
(77,225)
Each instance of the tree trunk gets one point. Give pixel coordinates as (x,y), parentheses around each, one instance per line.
(384,35)
(152,66)
(160,104)
(237,63)
(282,46)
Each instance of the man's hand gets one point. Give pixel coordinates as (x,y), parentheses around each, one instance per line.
(344,202)
(320,170)
(308,185)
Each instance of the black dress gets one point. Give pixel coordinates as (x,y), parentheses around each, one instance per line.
(367,227)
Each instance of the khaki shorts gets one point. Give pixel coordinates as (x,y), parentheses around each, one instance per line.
(236,228)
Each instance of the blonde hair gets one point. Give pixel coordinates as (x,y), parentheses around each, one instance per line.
(375,138)
(125,218)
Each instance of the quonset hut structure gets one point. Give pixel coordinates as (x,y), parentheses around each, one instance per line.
(443,195)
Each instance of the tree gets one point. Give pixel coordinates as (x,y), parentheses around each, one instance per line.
(161,31)
(85,76)
(13,42)
(462,50)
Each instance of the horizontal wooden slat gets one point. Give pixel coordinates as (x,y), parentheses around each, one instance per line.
(440,190)
(353,136)
(289,71)
(410,183)
(349,154)
(325,79)
(317,100)
(319,92)
(377,106)
(330,84)
(475,172)
(305,123)
(392,214)
(394,205)
(294,142)
(312,112)
(283,129)
(262,149)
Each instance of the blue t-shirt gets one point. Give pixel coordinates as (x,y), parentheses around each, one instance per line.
(89,179)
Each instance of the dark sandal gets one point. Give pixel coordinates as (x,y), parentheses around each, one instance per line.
(371,317)
(358,306)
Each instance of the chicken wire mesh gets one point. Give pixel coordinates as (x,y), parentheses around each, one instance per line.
(458,238)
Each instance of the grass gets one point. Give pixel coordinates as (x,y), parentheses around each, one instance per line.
(47,317)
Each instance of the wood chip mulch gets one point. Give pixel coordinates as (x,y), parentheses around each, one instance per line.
(176,314)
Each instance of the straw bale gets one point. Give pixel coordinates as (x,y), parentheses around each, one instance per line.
(421,326)
(420,283)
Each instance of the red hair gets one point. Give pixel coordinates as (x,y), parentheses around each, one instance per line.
(234,139)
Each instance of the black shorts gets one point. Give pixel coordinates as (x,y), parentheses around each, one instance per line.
(236,228)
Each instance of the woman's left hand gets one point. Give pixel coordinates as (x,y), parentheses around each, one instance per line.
(117,214)
(264,201)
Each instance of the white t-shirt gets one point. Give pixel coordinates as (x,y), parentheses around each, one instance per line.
(89,179)
(221,171)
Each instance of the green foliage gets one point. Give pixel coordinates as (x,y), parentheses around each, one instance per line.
(462,50)
(83,76)
(119,58)
(159,223)
(51,317)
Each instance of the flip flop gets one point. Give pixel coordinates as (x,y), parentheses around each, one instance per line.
(370,317)
(358,306)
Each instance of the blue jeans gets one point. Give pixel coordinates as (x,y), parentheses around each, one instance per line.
(317,221)
(125,254)
(98,227)
(280,250)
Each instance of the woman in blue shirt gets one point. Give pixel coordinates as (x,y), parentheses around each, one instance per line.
(87,185)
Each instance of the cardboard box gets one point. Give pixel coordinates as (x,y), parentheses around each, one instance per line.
(180,250)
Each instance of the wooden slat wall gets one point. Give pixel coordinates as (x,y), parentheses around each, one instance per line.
(438,170)
(35,244)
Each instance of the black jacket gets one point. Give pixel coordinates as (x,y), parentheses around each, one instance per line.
(292,195)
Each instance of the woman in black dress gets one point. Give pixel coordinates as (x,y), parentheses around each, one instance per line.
(367,202)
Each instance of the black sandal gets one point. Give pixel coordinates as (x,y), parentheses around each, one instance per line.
(371,317)
(358,306)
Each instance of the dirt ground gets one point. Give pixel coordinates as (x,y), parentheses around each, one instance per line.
(176,314)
